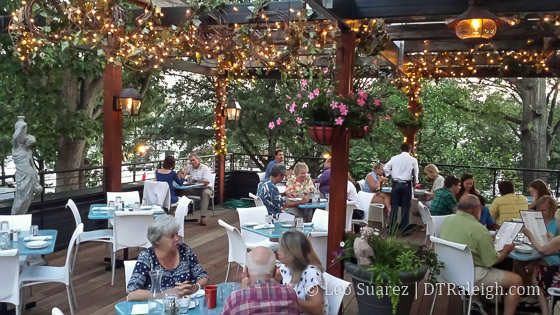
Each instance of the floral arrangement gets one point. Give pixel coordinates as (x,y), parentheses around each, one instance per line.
(405,118)
(391,257)
(315,101)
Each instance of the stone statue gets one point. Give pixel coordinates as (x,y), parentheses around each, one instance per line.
(362,249)
(27,177)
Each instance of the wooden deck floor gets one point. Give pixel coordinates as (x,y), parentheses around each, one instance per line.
(96,296)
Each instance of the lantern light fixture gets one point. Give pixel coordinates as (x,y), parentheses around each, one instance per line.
(476,25)
(233,110)
(129,102)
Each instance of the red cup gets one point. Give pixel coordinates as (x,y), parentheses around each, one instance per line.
(210,294)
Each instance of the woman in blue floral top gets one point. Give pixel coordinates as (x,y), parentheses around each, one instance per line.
(182,273)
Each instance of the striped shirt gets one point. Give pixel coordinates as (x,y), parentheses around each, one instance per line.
(262,297)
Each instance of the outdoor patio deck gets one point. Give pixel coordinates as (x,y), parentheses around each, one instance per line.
(96,296)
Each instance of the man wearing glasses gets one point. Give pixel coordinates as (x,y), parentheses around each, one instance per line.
(200,173)
(271,197)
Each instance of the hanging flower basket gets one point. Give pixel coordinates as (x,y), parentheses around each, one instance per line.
(323,133)
(359,133)
(407,130)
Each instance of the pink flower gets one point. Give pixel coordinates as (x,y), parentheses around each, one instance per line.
(334,104)
(388,117)
(361,93)
(361,102)
(299,120)
(339,121)
(278,121)
(288,97)
(344,112)
(311,96)
(299,95)
(304,105)
(329,91)
(271,125)
(377,103)
(369,116)
(326,70)
(287,105)
(303,83)
(293,108)
(342,106)
(316,92)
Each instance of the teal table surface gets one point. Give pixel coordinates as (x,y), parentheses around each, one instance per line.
(23,250)
(187,186)
(278,230)
(515,255)
(319,205)
(417,192)
(125,307)
(100,212)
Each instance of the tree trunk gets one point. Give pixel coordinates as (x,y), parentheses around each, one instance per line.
(70,153)
(534,127)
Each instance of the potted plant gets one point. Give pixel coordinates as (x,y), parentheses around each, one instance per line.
(386,274)
(315,102)
(407,122)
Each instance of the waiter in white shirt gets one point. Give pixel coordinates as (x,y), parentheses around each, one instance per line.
(404,170)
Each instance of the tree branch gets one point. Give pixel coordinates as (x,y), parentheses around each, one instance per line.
(553,103)
(515,132)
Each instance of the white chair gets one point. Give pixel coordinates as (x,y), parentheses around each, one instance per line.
(256,199)
(553,292)
(364,202)
(211,185)
(458,268)
(17,222)
(237,248)
(286,217)
(320,219)
(350,206)
(435,223)
(42,274)
(157,193)
(130,230)
(128,197)
(102,235)
(362,183)
(261,176)
(128,269)
(336,290)
(180,214)
(425,215)
(318,242)
(56,311)
(9,273)
(257,215)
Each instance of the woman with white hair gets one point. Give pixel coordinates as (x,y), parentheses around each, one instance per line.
(182,274)
(300,183)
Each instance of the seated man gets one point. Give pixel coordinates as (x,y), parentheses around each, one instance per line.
(271,197)
(507,206)
(444,202)
(200,173)
(263,295)
(464,228)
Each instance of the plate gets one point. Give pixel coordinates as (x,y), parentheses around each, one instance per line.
(146,207)
(524,249)
(36,244)
(250,224)
(308,224)
(287,225)
(295,199)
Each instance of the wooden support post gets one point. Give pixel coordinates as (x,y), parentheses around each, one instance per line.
(415,106)
(220,130)
(340,155)
(112,128)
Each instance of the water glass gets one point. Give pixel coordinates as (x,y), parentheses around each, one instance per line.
(136,206)
(184,304)
(34,230)
(4,240)
(145,202)
(5,226)
(111,205)
(118,202)
(299,224)
(268,219)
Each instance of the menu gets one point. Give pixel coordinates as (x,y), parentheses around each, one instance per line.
(534,222)
(506,234)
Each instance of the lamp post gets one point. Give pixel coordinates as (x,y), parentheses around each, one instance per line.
(476,25)
(233,110)
(129,102)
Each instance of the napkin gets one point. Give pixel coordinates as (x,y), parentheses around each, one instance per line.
(37,238)
(263,226)
(140,309)
(199,293)
(100,209)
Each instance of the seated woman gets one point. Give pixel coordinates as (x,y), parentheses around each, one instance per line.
(547,273)
(168,175)
(301,269)
(300,183)
(485,216)
(324,180)
(374,181)
(352,194)
(538,188)
(467,186)
(182,274)
(433,173)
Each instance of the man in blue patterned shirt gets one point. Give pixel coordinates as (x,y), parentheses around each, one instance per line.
(271,197)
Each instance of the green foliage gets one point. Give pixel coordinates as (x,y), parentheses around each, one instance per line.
(405,118)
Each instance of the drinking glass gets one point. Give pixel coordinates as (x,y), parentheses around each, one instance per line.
(34,230)
(118,202)
(184,304)
(170,302)
(5,226)
(268,219)
(136,206)
(111,205)
(144,202)
(4,240)
(299,224)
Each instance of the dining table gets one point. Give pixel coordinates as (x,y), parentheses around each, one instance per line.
(23,250)
(193,185)
(515,255)
(276,229)
(102,212)
(125,307)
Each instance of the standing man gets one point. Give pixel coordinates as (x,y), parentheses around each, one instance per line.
(261,294)
(404,170)
(271,197)
(27,177)
(278,158)
(200,173)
